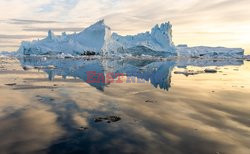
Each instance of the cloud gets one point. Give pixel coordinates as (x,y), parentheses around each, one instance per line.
(24,22)
(7,41)
(54,29)
(3,36)
(55,4)
(9,46)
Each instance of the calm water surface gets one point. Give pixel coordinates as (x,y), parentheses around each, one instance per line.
(171,106)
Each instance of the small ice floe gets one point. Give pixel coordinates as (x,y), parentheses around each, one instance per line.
(209,70)
(45,67)
(188,72)
(38,67)
(51,67)
(27,68)
(192,72)
(66,56)
(82,128)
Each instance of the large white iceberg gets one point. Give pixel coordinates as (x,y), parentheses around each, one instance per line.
(98,39)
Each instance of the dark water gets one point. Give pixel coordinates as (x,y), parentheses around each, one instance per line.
(51,105)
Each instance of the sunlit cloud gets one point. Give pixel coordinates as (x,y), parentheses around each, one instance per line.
(54,29)
(19,36)
(24,22)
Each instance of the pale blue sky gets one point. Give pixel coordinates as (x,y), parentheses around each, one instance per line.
(195,22)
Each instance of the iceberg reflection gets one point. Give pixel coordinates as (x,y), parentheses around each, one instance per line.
(158,73)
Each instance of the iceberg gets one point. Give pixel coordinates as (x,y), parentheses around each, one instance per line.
(98,39)
(203,51)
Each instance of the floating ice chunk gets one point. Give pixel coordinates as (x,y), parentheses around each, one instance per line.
(209,70)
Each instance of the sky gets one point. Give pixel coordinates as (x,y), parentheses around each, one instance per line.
(195,22)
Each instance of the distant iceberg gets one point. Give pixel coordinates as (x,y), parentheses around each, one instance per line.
(99,40)
(203,51)
(8,53)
